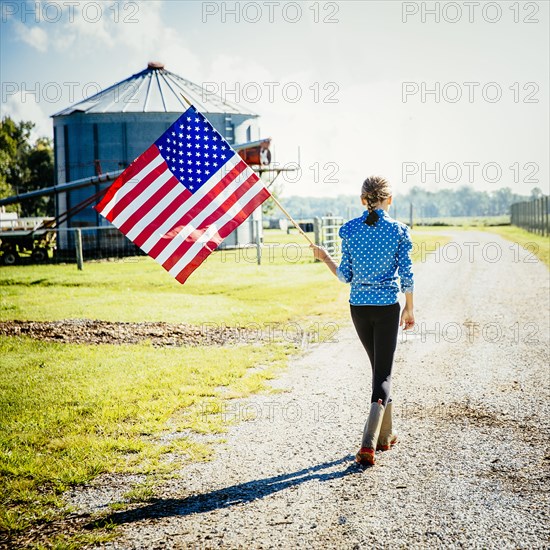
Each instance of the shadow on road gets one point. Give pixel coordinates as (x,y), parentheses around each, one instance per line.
(230,496)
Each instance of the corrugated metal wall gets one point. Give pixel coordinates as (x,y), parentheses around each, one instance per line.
(115,140)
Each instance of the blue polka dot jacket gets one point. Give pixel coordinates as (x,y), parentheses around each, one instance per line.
(372,258)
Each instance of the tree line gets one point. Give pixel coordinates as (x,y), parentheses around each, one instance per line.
(25,165)
(462,201)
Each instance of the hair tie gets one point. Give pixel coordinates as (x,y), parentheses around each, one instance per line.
(372,218)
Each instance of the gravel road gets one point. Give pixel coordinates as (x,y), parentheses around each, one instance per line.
(471,392)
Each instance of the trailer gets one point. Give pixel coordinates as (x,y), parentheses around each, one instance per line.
(36,245)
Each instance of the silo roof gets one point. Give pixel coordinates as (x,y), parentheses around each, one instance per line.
(154,90)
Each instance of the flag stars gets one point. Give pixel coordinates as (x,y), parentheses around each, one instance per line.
(192,150)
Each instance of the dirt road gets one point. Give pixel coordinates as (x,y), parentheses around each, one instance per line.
(471,392)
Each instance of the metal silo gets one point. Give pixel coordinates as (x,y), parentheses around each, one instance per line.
(107,131)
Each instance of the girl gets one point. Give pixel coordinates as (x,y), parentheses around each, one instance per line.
(375,249)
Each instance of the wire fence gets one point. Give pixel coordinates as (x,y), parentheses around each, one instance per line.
(78,245)
(532,215)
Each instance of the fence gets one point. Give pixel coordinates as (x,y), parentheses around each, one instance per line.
(326,233)
(532,215)
(77,245)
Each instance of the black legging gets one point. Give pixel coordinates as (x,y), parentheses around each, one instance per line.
(377,328)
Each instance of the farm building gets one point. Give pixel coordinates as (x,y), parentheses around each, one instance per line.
(98,137)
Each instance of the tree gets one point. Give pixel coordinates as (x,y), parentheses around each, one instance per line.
(269,207)
(25,166)
(536,193)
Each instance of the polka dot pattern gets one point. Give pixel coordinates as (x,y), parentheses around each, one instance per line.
(374,257)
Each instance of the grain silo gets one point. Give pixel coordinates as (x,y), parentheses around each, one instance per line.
(106,132)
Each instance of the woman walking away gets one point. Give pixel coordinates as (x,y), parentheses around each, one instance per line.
(375,250)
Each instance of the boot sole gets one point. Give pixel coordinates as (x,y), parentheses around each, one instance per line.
(365,457)
(388,447)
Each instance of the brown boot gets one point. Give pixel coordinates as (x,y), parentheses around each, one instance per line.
(365,455)
(386,439)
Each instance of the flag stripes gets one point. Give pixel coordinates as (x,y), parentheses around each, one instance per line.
(177,227)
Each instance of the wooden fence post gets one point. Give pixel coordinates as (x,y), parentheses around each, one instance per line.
(78,247)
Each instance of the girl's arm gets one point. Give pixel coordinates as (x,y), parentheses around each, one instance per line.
(321,254)
(404,269)
(407,315)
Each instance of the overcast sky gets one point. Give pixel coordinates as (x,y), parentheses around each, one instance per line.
(360,68)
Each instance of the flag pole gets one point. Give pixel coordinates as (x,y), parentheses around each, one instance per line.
(186,100)
(291,219)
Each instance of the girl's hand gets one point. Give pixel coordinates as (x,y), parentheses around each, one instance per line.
(407,319)
(319,253)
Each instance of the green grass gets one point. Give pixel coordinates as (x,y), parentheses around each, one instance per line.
(536,244)
(229,288)
(71,412)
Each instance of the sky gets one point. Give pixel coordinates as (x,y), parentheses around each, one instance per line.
(435,94)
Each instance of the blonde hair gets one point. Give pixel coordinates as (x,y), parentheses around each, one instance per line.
(375,190)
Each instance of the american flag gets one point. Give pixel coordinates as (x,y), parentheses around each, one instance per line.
(184,195)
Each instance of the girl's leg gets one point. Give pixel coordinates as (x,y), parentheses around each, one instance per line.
(386,326)
(361,317)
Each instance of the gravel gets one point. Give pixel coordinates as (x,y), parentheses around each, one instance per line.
(471,392)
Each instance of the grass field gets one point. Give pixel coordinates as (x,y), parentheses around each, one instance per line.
(71,412)
(536,244)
